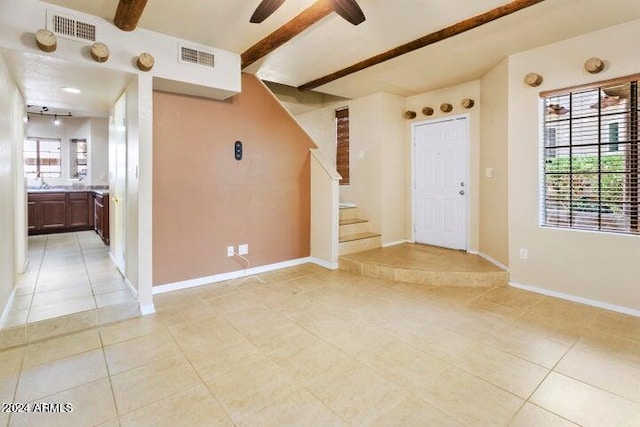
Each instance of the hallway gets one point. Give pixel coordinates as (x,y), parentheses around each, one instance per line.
(68,273)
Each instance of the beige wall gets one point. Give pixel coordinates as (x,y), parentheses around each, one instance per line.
(11,215)
(453,95)
(597,266)
(377,162)
(204,200)
(494,149)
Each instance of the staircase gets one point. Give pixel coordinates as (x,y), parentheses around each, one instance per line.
(354,233)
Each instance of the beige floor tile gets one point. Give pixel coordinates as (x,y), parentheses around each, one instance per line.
(246,390)
(48,283)
(555,308)
(192,334)
(91,404)
(618,324)
(129,329)
(140,351)
(113,298)
(529,345)
(108,286)
(111,423)
(504,370)
(54,377)
(309,362)
(142,386)
(61,325)
(299,408)
(21,302)
(512,297)
(565,330)
(10,365)
(214,291)
(61,347)
(219,358)
(617,348)
(600,371)
(62,309)
(404,365)
(357,394)
(414,412)
(584,404)
(441,343)
(191,408)
(471,400)
(532,416)
(16,318)
(60,297)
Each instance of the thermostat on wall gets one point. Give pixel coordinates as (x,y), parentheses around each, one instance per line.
(238,150)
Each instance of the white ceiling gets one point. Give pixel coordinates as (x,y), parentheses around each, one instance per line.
(333,44)
(41,79)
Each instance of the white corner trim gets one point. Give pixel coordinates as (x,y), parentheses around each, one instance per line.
(7,308)
(491,260)
(396,243)
(147,309)
(192,283)
(325,264)
(132,288)
(581,300)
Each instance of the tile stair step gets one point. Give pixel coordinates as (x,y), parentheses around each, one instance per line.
(348,213)
(353,226)
(361,236)
(359,242)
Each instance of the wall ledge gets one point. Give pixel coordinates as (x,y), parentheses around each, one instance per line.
(580,300)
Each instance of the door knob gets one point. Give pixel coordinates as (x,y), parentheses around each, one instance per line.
(461,192)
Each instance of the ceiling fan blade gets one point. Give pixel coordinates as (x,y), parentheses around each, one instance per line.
(264,10)
(349,10)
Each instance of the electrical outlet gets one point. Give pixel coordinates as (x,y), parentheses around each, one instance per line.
(524,254)
(243,249)
(230,251)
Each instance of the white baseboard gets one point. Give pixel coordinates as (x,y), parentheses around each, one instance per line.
(192,283)
(399,242)
(147,309)
(581,300)
(7,308)
(490,259)
(325,264)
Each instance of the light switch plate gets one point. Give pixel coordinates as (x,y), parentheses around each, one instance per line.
(243,249)
(230,250)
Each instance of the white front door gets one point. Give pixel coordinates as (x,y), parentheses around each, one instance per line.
(440,186)
(118,182)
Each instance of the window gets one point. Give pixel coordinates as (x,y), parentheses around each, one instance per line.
(42,158)
(78,158)
(590,166)
(342,142)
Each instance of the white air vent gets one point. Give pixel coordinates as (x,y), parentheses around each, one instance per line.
(194,56)
(70,27)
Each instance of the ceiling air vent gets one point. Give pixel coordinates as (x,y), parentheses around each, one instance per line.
(194,56)
(70,27)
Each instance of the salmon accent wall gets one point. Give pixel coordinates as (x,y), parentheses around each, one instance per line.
(204,200)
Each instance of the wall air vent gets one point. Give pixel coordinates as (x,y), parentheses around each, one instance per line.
(194,56)
(70,27)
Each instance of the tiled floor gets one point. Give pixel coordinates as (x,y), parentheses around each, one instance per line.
(314,347)
(67,273)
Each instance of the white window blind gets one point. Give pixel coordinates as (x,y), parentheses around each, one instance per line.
(590,157)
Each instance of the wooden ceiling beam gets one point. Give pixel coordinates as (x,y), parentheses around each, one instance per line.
(128,14)
(304,20)
(453,30)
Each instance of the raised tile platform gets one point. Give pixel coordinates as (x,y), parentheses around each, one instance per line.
(426,265)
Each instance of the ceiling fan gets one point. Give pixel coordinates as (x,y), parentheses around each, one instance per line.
(348,9)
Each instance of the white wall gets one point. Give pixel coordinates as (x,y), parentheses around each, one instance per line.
(94,130)
(11,125)
(133,148)
(454,96)
(596,266)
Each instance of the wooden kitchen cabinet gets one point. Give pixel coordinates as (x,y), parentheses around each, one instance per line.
(101,216)
(58,212)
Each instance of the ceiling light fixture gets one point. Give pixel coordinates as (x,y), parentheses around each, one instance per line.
(56,120)
(73,90)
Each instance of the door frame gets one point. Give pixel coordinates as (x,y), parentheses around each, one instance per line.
(467,168)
